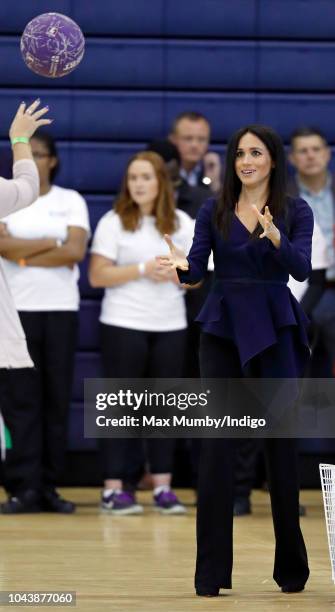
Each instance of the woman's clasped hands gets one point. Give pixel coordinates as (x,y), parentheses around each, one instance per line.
(157,272)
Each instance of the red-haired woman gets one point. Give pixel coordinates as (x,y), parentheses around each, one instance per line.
(143,316)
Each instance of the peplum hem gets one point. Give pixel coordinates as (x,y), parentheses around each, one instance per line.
(251,313)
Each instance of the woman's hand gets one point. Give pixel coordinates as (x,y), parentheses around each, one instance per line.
(26,121)
(158,272)
(175,259)
(270,230)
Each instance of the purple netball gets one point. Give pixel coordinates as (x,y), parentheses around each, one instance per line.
(52,45)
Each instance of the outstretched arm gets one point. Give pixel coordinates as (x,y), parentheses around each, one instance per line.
(23,189)
(192,268)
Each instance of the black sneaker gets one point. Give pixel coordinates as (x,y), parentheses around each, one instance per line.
(242,506)
(293,588)
(51,501)
(167,502)
(26,502)
(120,502)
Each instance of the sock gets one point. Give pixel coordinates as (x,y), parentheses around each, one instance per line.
(158,490)
(107,492)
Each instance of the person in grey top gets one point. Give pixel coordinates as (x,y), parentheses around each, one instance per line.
(17,193)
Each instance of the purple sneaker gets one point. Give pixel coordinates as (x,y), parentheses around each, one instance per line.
(167,502)
(120,502)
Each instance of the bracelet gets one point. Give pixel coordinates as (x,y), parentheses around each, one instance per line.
(22,262)
(141,268)
(23,139)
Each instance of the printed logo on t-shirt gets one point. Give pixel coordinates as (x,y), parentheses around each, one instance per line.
(57,213)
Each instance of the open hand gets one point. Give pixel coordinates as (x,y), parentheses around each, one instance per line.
(175,259)
(27,120)
(270,230)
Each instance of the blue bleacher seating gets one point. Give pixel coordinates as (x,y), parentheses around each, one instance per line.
(213,18)
(240,62)
(89,325)
(297,19)
(182,65)
(98,205)
(86,291)
(277,19)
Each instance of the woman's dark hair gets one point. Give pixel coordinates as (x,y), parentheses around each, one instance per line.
(50,144)
(277,201)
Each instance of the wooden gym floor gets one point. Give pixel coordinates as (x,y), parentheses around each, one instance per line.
(146,563)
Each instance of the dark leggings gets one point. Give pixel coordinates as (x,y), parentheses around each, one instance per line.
(38,401)
(128,353)
(219,359)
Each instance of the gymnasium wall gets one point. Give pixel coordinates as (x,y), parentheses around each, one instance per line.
(236,61)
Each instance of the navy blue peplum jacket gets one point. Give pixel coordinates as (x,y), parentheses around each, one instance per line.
(250,299)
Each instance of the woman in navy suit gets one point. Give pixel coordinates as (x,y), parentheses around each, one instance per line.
(251,326)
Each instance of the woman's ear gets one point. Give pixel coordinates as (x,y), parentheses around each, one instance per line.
(53,162)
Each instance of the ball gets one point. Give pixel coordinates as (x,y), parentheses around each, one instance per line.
(52,45)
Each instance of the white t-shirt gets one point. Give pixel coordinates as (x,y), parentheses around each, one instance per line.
(320,261)
(141,304)
(39,288)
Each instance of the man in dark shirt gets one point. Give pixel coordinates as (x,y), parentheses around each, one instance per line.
(190,132)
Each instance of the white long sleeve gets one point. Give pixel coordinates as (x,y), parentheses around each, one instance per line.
(16,193)
(20,191)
